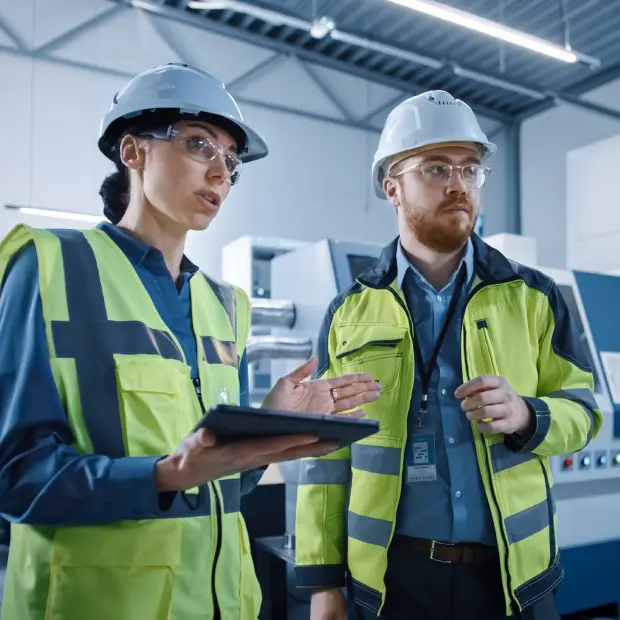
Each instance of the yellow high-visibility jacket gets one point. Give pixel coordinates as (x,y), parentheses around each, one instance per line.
(516,325)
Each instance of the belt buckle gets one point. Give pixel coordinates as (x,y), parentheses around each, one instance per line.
(431,555)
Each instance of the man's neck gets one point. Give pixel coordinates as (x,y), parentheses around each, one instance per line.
(436,267)
(145,225)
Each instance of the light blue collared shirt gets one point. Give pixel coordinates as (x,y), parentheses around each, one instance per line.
(453,507)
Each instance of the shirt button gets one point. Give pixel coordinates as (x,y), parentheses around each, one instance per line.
(458,494)
(444,391)
(438,297)
(451,439)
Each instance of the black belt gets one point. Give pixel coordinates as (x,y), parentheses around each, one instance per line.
(457,553)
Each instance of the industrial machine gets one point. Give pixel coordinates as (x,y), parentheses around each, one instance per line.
(587,484)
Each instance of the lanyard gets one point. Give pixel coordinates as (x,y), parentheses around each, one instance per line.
(426,372)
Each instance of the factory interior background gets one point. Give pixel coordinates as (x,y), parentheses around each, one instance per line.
(318,79)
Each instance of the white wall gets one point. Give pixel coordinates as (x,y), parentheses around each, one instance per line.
(593,207)
(314,184)
(546,141)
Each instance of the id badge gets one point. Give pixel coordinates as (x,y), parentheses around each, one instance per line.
(422,463)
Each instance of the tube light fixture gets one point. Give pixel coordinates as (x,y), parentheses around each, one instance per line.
(63,215)
(498,31)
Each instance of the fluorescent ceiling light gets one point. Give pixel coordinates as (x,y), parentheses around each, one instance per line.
(498,31)
(62,215)
(493,81)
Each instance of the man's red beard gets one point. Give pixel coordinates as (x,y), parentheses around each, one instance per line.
(441,231)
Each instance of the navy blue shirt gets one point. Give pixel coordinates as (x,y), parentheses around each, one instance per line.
(43,480)
(443,496)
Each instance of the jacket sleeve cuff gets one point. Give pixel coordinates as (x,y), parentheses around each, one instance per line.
(323,576)
(536,433)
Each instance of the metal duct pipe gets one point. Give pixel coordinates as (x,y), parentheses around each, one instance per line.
(273,313)
(268,347)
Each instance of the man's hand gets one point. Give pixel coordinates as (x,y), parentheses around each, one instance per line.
(494,405)
(335,395)
(328,605)
(198,459)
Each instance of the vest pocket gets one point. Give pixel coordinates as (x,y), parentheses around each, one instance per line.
(122,571)
(150,393)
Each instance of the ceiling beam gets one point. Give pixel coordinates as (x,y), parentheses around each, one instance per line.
(286,48)
(12,34)
(79,30)
(85,66)
(590,83)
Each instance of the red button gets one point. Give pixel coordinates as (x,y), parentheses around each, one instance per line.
(568,462)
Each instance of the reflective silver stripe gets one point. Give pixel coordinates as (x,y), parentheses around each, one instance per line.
(527,522)
(219,352)
(231,494)
(324,471)
(369,530)
(583,396)
(503,459)
(376,459)
(227,297)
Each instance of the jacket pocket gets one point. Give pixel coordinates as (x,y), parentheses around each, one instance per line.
(150,393)
(122,571)
(488,350)
(374,349)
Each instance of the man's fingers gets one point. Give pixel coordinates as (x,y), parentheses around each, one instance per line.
(479,384)
(345,380)
(483,399)
(493,428)
(496,412)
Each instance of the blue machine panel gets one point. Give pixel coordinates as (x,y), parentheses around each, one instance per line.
(600,295)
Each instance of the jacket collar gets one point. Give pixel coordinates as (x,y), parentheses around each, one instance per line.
(489,264)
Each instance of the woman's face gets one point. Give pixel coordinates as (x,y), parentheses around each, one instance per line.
(186,178)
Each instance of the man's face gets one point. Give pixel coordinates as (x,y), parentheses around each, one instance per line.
(440,213)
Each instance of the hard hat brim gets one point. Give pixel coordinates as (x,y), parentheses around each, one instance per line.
(117,123)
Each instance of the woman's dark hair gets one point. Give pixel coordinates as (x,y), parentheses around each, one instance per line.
(114,192)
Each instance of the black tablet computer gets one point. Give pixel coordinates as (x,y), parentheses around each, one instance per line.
(231,423)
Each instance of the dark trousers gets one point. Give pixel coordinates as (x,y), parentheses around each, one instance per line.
(419,588)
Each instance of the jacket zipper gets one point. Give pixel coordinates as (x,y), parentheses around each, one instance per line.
(479,444)
(218,516)
(487,346)
(483,456)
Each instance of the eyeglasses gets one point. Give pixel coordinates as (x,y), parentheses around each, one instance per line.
(439,174)
(200,148)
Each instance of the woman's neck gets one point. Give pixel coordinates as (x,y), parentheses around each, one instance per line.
(153,229)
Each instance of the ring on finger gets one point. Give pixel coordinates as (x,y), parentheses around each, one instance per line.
(334,394)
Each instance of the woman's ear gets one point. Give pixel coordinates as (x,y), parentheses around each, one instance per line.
(131,152)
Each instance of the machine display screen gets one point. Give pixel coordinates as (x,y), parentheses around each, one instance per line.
(571,302)
(358,264)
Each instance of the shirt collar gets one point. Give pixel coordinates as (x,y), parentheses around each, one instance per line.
(139,253)
(403,265)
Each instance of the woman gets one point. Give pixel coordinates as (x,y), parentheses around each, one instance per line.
(114,346)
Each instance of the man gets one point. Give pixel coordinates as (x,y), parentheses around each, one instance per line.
(446,513)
